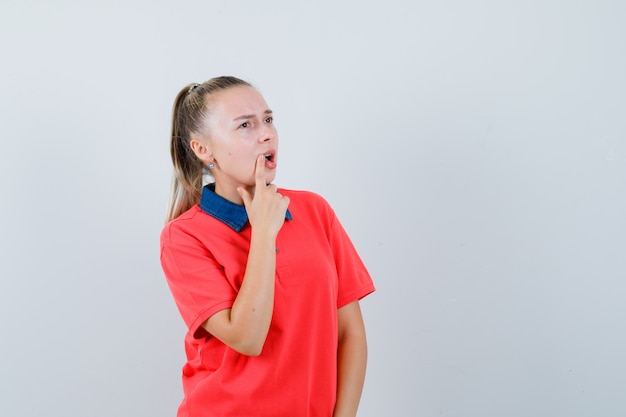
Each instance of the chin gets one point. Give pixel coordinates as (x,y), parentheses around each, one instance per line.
(270,178)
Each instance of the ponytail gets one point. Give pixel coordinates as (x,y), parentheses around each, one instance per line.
(189,117)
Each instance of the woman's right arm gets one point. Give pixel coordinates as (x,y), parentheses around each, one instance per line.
(245,325)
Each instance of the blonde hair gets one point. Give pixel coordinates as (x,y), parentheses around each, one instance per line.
(189,116)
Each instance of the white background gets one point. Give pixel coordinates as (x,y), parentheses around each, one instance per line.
(474,150)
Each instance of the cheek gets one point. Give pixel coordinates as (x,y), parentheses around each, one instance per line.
(242,164)
(238,156)
(239,160)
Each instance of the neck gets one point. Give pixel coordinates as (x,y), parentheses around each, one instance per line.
(231,194)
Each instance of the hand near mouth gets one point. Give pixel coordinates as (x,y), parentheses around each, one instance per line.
(270,160)
(266,208)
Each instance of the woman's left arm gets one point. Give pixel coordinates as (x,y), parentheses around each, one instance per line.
(351,360)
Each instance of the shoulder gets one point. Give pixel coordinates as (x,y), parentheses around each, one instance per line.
(308,203)
(308,198)
(303,195)
(181,226)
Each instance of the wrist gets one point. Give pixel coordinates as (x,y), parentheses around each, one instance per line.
(263,238)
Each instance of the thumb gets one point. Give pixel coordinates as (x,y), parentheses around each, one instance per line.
(245,196)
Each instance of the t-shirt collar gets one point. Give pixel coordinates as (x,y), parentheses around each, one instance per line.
(225,211)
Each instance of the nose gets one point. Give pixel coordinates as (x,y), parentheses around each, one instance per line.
(267,134)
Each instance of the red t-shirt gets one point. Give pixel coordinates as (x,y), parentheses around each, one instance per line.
(317,271)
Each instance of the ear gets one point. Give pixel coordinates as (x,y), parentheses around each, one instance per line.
(201,149)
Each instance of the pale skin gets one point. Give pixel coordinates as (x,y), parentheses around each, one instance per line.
(243,146)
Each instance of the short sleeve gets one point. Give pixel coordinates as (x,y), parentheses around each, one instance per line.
(196,280)
(354,281)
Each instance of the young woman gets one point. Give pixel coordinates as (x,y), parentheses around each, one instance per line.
(266,279)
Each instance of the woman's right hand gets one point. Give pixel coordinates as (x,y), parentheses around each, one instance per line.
(244,326)
(267,207)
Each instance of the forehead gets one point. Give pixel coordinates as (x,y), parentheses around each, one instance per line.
(237,101)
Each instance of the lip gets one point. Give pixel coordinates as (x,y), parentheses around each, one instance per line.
(271,162)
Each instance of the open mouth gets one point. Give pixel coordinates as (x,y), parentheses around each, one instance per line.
(270,159)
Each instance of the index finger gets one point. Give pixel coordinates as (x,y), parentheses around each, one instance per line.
(259,171)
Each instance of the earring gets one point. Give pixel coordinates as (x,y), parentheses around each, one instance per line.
(211,165)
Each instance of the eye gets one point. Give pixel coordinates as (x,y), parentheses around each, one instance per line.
(245,125)
(269,119)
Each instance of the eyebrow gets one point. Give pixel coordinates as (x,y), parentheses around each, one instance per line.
(251,116)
